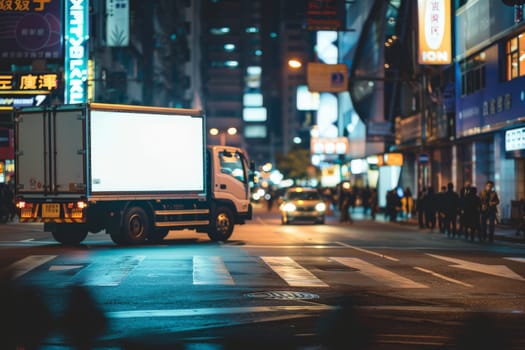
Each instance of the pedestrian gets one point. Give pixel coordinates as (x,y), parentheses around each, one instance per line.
(429,206)
(471,214)
(521,220)
(393,203)
(419,207)
(365,199)
(345,199)
(407,204)
(440,208)
(462,195)
(374,205)
(489,210)
(450,205)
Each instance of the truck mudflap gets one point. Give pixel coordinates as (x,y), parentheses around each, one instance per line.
(66,212)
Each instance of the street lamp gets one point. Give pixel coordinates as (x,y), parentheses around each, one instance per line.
(294,63)
(222,135)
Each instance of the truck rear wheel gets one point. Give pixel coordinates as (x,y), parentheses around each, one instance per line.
(66,234)
(221,224)
(134,229)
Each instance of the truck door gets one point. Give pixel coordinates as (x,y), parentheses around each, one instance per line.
(50,151)
(231,179)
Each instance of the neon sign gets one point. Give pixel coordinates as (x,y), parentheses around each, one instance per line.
(76,41)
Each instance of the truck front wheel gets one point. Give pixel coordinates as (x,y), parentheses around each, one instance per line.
(221,224)
(69,235)
(135,227)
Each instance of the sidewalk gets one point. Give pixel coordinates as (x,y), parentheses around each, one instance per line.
(503,232)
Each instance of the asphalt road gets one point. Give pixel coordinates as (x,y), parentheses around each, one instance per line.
(350,286)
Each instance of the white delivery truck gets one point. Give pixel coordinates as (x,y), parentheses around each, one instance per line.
(136,172)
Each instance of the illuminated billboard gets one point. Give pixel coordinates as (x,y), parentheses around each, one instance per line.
(435,45)
(30,29)
(76,43)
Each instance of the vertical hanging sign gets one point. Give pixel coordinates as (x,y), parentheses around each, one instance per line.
(76,46)
(435,44)
(117,23)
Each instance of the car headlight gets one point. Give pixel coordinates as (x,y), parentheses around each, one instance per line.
(320,207)
(288,207)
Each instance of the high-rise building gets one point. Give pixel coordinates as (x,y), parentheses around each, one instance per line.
(246,80)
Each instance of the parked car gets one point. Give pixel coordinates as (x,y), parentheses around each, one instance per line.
(302,204)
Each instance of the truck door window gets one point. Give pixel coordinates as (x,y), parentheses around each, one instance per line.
(232,164)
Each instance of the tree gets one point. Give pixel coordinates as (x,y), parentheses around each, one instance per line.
(295,163)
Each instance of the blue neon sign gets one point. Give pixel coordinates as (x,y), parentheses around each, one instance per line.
(77,54)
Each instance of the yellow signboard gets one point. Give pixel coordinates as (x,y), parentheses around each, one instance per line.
(323,77)
(435,45)
(28,82)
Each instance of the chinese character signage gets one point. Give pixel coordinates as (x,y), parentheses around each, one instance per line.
(325,15)
(30,29)
(435,45)
(25,89)
(28,81)
(117,23)
(515,140)
(76,44)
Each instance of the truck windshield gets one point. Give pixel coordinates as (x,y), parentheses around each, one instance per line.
(233,165)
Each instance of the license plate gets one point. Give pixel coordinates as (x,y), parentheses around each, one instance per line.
(26,213)
(50,210)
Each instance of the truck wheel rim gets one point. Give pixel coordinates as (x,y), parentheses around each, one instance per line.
(135,226)
(223,223)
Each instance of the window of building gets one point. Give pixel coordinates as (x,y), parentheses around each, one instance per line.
(220,31)
(473,74)
(515,54)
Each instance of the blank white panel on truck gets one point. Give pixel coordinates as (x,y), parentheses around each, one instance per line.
(146,152)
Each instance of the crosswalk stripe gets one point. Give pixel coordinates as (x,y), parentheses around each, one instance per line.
(363,250)
(443,277)
(27,264)
(108,274)
(494,270)
(522,260)
(379,274)
(210,270)
(291,272)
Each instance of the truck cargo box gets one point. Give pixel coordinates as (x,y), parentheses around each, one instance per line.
(99,149)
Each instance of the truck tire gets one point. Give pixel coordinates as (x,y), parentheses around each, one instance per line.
(69,235)
(221,224)
(135,227)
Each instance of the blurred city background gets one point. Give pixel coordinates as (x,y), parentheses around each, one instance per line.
(383,94)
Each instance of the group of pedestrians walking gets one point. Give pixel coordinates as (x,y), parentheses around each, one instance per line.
(465,213)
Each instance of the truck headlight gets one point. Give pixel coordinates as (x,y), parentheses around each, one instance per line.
(320,207)
(288,207)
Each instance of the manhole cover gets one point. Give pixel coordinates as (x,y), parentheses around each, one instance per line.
(283,295)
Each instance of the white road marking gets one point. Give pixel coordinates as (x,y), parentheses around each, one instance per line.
(368,251)
(210,270)
(379,274)
(110,273)
(217,311)
(291,272)
(28,240)
(522,260)
(438,275)
(27,264)
(495,270)
(64,267)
